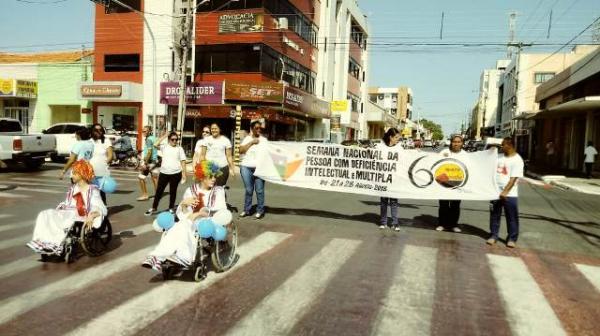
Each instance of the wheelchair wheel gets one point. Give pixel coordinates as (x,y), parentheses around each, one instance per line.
(69,254)
(95,241)
(223,255)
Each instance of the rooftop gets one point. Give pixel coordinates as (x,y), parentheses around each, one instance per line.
(45,57)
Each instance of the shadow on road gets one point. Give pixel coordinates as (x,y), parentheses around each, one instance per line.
(371,218)
(119,208)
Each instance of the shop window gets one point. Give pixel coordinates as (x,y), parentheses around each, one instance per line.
(541,77)
(58,129)
(122,63)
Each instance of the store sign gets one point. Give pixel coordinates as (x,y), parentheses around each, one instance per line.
(7,87)
(26,88)
(266,92)
(241,23)
(193,113)
(101,90)
(297,100)
(341,108)
(198,93)
(335,125)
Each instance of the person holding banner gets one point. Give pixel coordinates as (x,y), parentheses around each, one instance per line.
(391,139)
(449,210)
(217,148)
(249,148)
(509,170)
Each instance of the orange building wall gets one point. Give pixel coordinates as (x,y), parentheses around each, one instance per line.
(117,33)
(353,85)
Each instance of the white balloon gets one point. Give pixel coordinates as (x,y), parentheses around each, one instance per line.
(156,227)
(222,217)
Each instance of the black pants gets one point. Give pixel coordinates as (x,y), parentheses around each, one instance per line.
(222,179)
(448,213)
(588,169)
(173,181)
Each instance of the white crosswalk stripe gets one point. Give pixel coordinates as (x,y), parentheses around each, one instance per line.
(14,226)
(12,195)
(528,311)
(592,273)
(280,310)
(16,241)
(408,305)
(2,216)
(136,313)
(40,190)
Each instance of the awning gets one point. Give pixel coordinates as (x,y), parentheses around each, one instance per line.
(575,106)
(526,115)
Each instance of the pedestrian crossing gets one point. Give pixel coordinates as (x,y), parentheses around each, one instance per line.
(407,305)
(47,183)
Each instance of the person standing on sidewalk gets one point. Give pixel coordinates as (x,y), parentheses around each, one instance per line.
(391,140)
(172,171)
(590,156)
(103,153)
(217,148)
(449,210)
(509,170)
(249,147)
(550,152)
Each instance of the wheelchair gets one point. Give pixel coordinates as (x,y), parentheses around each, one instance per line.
(93,242)
(222,255)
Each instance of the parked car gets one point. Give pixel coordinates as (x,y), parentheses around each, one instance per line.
(427,143)
(409,144)
(18,147)
(65,138)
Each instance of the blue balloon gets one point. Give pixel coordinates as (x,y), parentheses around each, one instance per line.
(205,227)
(165,220)
(108,184)
(220,233)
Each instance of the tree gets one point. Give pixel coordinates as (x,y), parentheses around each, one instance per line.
(436,129)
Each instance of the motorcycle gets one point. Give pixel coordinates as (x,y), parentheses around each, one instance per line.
(126,159)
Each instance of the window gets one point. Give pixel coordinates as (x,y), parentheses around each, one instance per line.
(358,36)
(215,5)
(113,7)
(10,126)
(58,129)
(541,77)
(354,69)
(70,129)
(122,63)
(227,58)
(297,21)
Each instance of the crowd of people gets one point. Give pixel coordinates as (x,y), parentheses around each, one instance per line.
(92,154)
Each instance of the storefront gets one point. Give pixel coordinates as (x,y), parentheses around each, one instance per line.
(17,100)
(115,105)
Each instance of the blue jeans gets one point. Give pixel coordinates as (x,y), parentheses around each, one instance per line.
(511,211)
(393,203)
(251,184)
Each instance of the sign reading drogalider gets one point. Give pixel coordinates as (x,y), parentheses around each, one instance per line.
(197,93)
(380,172)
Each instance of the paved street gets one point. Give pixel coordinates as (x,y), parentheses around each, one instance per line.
(316,264)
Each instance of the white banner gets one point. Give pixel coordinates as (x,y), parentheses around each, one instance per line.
(380,172)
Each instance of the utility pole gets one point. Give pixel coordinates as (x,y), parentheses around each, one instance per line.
(185,45)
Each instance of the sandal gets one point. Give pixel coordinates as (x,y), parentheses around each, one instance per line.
(142,198)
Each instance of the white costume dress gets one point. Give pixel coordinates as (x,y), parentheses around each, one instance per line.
(179,243)
(52,225)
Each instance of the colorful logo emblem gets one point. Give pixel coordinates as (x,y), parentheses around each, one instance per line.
(450,174)
(285,166)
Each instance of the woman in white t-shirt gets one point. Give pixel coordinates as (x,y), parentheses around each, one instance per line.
(217,148)
(102,156)
(249,148)
(172,171)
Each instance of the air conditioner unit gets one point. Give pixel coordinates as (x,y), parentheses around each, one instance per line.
(275,23)
(301,51)
(283,23)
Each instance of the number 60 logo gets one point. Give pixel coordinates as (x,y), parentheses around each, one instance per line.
(449,173)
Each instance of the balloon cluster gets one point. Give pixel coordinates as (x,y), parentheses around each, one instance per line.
(107,184)
(214,226)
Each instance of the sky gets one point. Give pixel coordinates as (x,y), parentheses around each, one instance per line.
(444,79)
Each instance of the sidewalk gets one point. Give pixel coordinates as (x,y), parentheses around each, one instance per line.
(579,184)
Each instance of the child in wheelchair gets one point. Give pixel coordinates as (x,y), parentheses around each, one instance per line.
(202,199)
(83,204)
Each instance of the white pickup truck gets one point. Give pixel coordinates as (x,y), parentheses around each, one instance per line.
(18,147)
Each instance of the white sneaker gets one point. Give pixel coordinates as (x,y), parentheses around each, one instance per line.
(456,229)
(382,226)
(439,228)
(397,228)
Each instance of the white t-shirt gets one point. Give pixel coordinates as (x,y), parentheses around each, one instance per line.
(250,157)
(199,144)
(509,167)
(171,159)
(383,146)
(215,149)
(98,160)
(590,154)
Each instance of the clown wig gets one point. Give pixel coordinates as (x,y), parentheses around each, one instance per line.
(206,169)
(83,169)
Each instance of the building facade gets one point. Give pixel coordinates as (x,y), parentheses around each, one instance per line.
(398,103)
(485,111)
(569,114)
(516,92)
(40,89)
